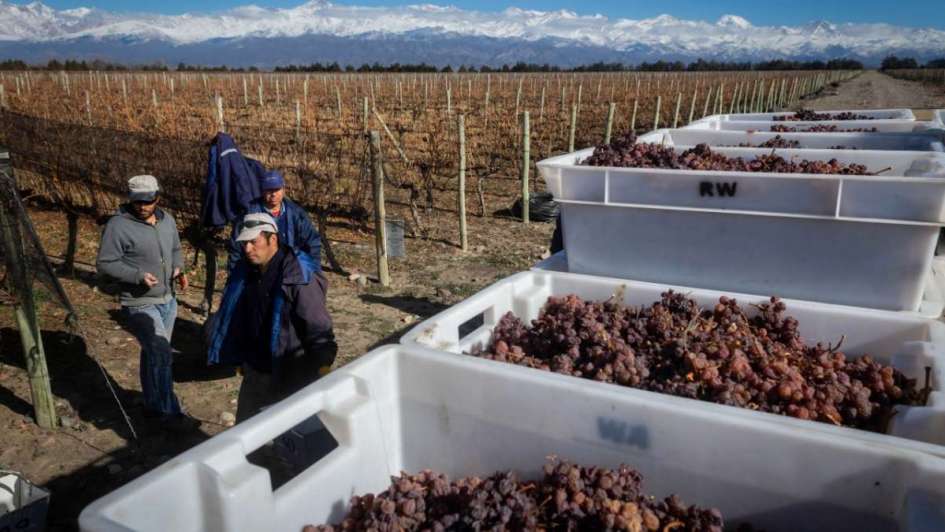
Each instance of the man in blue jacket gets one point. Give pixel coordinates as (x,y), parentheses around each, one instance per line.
(295,228)
(273,320)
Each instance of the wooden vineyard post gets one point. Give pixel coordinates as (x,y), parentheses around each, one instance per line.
(656,115)
(124,91)
(367,118)
(610,122)
(573,127)
(154,99)
(380,216)
(88,108)
(219,105)
(541,105)
(580,89)
(305,92)
(731,105)
(20,281)
(245,93)
(633,117)
(676,113)
(298,121)
(461,197)
(449,101)
(705,105)
(526,161)
(338,99)
(692,105)
(3,97)
(260,92)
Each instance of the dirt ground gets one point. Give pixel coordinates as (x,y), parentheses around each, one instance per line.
(873,90)
(94,452)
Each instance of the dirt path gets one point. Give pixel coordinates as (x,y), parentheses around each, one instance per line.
(873,90)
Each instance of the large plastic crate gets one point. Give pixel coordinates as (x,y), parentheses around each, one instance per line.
(908,343)
(874,114)
(882,126)
(401,409)
(873,263)
(911,185)
(859,141)
(931,307)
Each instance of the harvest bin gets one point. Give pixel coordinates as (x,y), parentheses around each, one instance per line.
(908,343)
(882,126)
(406,409)
(874,114)
(859,141)
(933,296)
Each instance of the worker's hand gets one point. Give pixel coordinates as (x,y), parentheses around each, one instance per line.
(150,280)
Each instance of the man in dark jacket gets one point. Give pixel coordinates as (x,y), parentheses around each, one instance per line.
(140,249)
(272,320)
(295,228)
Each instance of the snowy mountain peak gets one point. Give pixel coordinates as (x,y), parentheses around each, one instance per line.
(731,37)
(733,21)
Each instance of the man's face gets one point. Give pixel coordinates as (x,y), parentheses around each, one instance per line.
(259,251)
(273,197)
(143,209)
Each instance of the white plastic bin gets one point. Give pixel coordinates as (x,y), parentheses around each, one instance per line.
(912,187)
(23,505)
(882,126)
(874,114)
(400,409)
(882,264)
(859,141)
(931,307)
(908,343)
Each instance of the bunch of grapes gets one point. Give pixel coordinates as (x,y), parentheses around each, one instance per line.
(567,498)
(777,142)
(806,115)
(720,355)
(824,128)
(627,152)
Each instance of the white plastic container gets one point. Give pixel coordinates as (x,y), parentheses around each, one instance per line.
(881,264)
(931,307)
(908,343)
(911,185)
(859,141)
(23,505)
(882,126)
(400,409)
(875,114)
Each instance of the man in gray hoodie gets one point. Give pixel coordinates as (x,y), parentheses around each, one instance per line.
(141,250)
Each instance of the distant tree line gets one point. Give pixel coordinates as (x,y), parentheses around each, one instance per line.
(658,66)
(700,65)
(892,62)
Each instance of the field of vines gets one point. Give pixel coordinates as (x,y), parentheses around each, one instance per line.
(76,137)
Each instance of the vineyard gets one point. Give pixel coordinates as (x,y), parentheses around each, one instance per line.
(76,137)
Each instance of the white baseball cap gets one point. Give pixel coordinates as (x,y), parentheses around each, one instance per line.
(143,188)
(254,224)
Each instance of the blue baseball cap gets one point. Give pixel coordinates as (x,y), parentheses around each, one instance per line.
(271,181)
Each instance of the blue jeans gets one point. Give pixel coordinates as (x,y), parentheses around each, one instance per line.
(152,325)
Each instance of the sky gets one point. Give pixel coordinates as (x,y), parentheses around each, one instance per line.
(916,13)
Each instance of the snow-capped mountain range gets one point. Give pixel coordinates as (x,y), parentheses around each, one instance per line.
(324,32)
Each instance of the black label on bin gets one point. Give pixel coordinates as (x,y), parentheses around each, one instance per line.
(620,431)
(717,189)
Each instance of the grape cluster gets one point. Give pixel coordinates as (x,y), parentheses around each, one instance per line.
(806,115)
(627,152)
(777,142)
(720,355)
(822,128)
(567,498)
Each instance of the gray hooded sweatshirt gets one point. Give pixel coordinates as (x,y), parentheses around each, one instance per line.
(131,247)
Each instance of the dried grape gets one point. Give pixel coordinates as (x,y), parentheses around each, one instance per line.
(720,354)
(806,115)
(567,498)
(625,151)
